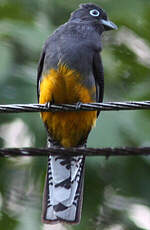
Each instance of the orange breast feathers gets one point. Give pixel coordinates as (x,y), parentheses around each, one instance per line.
(63,86)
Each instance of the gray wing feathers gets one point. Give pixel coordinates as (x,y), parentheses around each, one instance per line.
(40,69)
(99,77)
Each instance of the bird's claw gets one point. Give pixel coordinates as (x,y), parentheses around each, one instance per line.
(48,104)
(78,105)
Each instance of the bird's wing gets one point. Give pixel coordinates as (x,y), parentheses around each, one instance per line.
(39,72)
(99,77)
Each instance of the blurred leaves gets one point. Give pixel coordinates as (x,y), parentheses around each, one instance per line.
(115,189)
(18,10)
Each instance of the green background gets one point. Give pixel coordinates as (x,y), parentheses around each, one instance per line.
(117,190)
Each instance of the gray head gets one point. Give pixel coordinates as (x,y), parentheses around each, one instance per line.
(93,14)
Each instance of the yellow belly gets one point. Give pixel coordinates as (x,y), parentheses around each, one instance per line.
(63,86)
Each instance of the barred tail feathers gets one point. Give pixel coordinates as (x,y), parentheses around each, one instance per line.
(63,190)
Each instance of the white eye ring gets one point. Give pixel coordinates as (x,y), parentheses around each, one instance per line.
(94,13)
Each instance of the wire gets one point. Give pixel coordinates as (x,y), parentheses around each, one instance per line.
(122,151)
(109,106)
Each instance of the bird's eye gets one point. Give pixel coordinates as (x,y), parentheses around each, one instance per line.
(94,13)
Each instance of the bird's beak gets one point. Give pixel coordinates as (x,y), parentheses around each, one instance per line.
(108,25)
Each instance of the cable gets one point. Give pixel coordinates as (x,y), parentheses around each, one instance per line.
(109,106)
(119,151)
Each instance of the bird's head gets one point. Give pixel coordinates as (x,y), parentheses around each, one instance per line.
(92,13)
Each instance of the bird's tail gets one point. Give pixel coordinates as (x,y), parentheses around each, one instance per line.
(63,192)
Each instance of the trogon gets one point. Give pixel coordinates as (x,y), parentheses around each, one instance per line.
(70,71)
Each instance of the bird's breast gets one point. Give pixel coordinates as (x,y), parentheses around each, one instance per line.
(66,86)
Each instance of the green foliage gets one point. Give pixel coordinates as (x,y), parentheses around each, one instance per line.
(114,186)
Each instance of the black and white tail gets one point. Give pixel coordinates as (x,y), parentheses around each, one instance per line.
(63,192)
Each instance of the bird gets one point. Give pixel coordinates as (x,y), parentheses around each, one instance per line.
(70,71)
